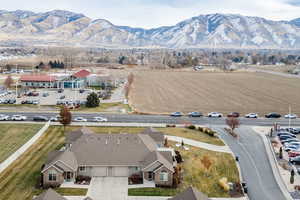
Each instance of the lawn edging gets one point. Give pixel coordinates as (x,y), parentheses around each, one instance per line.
(23,148)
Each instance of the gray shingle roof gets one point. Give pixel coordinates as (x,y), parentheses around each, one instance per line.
(190,194)
(72,136)
(49,195)
(157,156)
(63,160)
(112,149)
(154,134)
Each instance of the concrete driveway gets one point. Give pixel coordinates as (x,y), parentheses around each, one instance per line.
(108,188)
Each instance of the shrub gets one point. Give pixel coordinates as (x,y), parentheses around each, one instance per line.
(178,157)
(80,179)
(200,129)
(224,184)
(191,127)
(51,185)
(92,100)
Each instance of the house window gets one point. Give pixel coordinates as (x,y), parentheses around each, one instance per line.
(52,175)
(82,168)
(163,176)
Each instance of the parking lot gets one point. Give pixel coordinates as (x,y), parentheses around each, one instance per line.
(49,96)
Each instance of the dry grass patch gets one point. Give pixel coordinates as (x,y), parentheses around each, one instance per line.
(13,136)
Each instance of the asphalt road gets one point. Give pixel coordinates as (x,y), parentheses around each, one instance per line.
(255,167)
(163,119)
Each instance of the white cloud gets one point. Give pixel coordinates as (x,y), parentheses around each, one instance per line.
(154,13)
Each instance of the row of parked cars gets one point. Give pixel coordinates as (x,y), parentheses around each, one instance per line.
(291,143)
(233,114)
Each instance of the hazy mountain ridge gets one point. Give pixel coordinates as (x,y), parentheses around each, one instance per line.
(214,30)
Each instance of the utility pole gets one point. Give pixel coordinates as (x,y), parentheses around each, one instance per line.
(289,116)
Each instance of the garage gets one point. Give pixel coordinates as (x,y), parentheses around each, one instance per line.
(120,171)
(99,171)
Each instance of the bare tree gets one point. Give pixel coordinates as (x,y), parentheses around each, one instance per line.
(233,123)
(128,84)
(8,81)
(65,116)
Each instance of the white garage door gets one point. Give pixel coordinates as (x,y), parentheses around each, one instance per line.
(99,171)
(120,171)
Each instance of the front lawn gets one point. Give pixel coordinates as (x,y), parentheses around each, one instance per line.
(13,136)
(18,181)
(195,174)
(192,134)
(105,107)
(67,191)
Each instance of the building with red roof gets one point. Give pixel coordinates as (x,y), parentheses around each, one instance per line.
(38,80)
(82,74)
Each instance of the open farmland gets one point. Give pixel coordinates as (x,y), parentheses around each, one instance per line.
(167,91)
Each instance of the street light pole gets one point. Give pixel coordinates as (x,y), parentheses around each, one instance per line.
(289,116)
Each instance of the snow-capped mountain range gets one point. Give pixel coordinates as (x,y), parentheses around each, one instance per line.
(213,30)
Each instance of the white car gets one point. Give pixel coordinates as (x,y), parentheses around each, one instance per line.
(251,115)
(4,117)
(18,118)
(99,119)
(215,114)
(55,118)
(80,119)
(290,116)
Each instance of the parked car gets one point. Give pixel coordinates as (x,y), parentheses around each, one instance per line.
(289,140)
(60,90)
(35,102)
(62,97)
(273,115)
(176,114)
(251,115)
(99,119)
(12,101)
(80,119)
(284,133)
(18,118)
(233,114)
(284,137)
(294,143)
(294,153)
(40,118)
(292,148)
(295,160)
(195,114)
(215,114)
(290,116)
(81,91)
(4,117)
(45,94)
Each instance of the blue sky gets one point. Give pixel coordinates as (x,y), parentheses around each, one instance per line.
(154,13)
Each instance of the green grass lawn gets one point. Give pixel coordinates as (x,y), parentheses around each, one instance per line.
(104,107)
(18,181)
(67,191)
(192,134)
(13,136)
(195,174)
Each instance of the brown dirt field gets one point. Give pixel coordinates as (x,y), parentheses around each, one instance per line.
(167,91)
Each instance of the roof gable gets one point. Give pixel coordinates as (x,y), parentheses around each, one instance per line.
(82,73)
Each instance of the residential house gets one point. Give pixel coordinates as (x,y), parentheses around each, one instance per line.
(190,194)
(114,155)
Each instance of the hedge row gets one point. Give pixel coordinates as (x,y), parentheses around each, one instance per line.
(208,131)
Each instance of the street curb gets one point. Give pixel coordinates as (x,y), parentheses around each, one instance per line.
(275,168)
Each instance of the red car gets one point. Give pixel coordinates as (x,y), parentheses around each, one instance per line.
(233,114)
(294,153)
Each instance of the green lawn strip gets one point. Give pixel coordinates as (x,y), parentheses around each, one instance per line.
(13,136)
(103,107)
(152,192)
(66,191)
(18,181)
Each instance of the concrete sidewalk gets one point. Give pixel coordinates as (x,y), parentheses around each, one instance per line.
(224,149)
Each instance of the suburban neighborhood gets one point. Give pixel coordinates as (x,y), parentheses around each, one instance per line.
(150,100)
